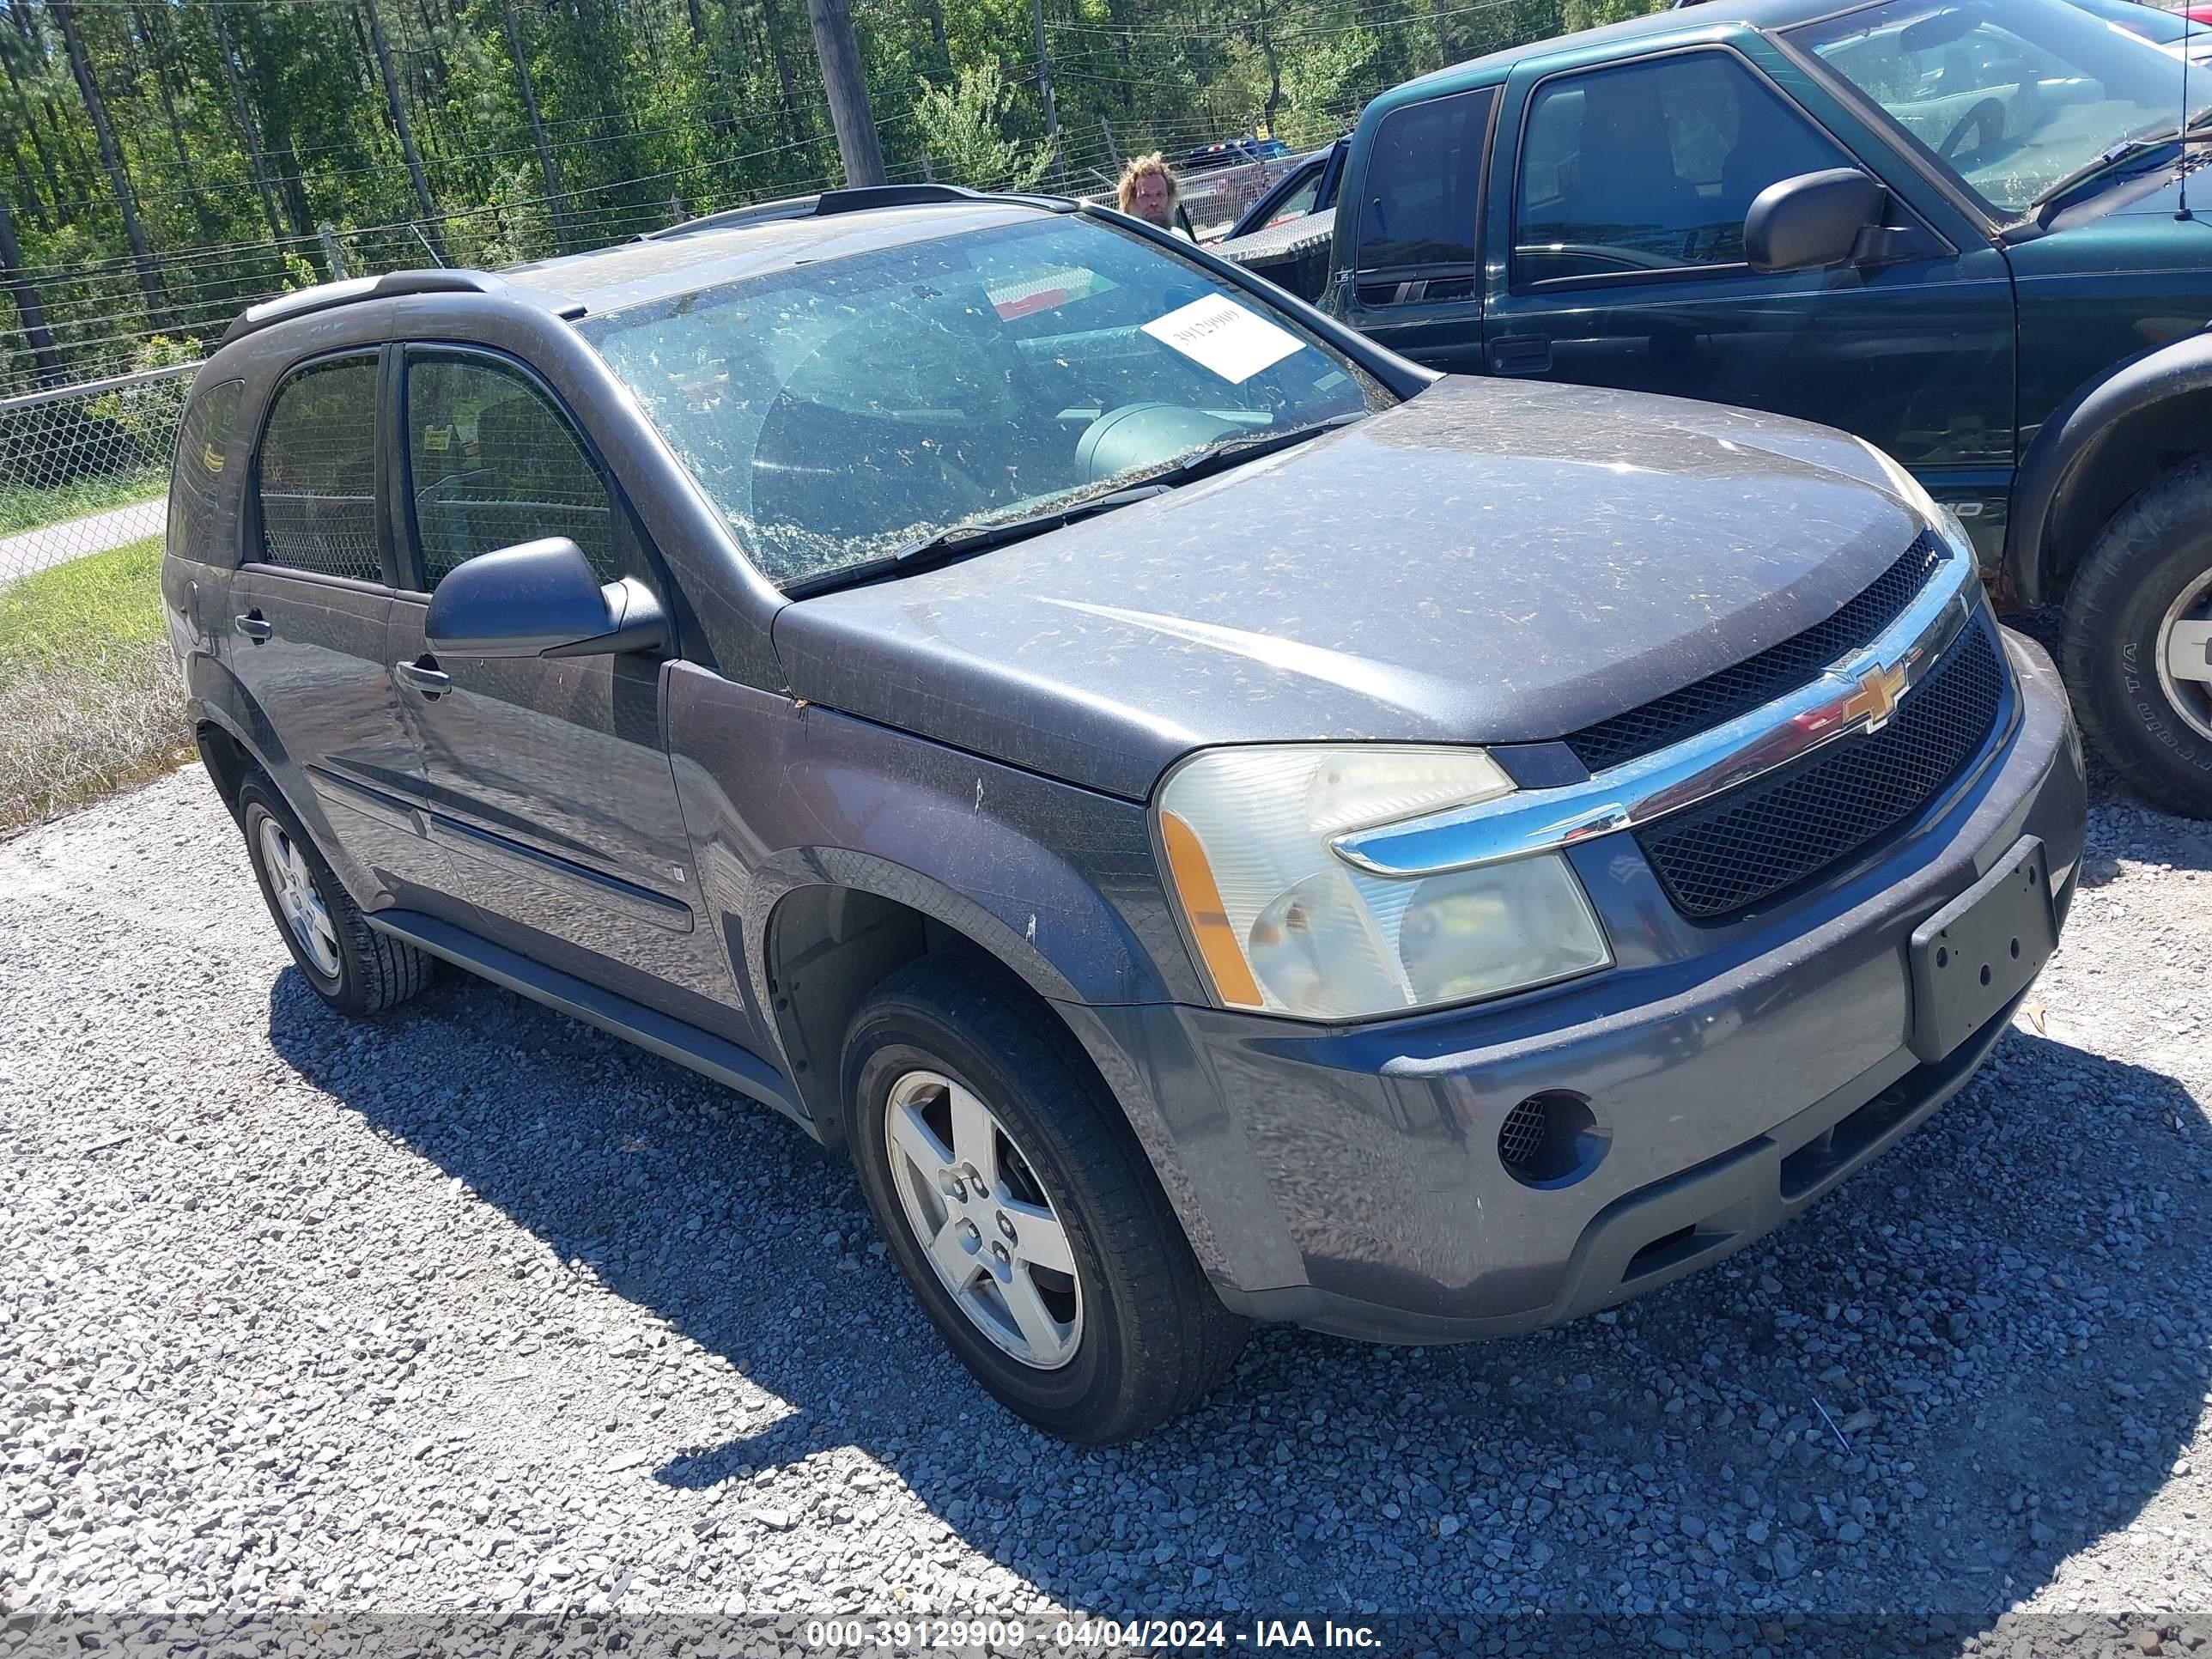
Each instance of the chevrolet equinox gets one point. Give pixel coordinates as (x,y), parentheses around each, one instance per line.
(1223,823)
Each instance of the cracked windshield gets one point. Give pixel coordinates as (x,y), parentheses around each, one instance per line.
(841,412)
(2016,98)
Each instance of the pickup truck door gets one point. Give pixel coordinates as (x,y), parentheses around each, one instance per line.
(1418,215)
(1616,201)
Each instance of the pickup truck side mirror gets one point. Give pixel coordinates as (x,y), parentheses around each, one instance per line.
(1814,221)
(540,598)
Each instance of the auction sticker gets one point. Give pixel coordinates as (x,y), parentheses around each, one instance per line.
(1218,334)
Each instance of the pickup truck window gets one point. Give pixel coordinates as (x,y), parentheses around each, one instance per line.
(1423,185)
(1651,166)
(2010,100)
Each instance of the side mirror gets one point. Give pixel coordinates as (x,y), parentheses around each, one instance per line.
(540,598)
(1813,222)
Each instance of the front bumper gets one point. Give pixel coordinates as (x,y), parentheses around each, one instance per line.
(1349,1179)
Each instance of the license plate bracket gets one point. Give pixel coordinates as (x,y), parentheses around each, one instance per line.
(1982,950)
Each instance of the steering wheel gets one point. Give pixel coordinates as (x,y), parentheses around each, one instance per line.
(1988,115)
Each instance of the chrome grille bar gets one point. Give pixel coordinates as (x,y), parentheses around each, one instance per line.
(1856,695)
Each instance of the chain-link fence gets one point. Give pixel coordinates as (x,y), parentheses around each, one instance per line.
(90,696)
(83,469)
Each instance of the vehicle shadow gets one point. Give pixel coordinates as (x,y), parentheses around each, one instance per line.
(1981,1354)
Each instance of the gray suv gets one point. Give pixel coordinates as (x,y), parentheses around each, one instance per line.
(1222,824)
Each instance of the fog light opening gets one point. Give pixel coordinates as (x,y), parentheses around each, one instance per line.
(1551,1139)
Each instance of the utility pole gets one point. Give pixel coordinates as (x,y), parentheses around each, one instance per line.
(846,81)
(1044,86)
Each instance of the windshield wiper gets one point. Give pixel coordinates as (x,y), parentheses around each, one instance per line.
(2098,165)
(957,541)
(2103,163)
(1218,458)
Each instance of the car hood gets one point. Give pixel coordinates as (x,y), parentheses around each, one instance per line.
(1488,562)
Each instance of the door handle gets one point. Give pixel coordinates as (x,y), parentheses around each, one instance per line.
(254,626)
(425,676)
(1520,354)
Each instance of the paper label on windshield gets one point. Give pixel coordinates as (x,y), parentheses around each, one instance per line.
(1218,334)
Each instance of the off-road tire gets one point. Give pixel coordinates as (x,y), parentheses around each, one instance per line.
(2152,547)
(376,971)
(1155,1338)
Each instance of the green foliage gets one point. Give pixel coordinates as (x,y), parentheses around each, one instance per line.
(27,507)
(1590,13)
(962,136)
(91,698)
(649,110)
(81,609)
(149,414)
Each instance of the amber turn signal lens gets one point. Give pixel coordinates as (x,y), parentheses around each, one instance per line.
(1201,897)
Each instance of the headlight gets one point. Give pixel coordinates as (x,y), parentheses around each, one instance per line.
(1283,924)
(1914,495)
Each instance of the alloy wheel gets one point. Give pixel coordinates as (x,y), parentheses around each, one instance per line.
(980,1214)
(294,885)
(2185,655)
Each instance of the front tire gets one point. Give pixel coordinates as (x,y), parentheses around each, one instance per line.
(2142,593)
(1015,1199)
(347,964)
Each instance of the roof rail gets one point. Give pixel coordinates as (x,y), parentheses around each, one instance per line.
(791,207)
(853,198)
(329,296)
(857,199)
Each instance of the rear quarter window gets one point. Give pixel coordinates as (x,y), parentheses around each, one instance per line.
(206,440)
(1421,196)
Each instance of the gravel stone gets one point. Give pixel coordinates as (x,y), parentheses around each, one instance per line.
(473,1309)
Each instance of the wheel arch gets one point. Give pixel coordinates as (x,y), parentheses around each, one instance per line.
(827,944)
(841,925)
(227,760)
(233,738)
(2109,443)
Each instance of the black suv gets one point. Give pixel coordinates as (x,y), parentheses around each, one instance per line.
(1223,824)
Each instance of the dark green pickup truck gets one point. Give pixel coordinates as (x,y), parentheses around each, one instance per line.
(1960,229)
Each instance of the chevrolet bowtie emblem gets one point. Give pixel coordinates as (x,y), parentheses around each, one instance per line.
(1875,700)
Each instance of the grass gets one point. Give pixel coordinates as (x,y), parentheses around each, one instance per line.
(34,509)
(91,699)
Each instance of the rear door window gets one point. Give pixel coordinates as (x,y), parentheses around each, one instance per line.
(317,471)
(1423,188)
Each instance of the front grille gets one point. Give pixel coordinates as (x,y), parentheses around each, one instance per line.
(1757,680)
(1749,845)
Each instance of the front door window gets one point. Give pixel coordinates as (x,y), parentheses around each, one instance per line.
(1653,167)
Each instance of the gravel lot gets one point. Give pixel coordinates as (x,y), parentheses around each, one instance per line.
(476,1311)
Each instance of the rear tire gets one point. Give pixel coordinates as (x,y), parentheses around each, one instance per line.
(347,964)
(1132,1336)
(2150,567)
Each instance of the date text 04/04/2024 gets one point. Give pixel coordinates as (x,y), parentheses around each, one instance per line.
(1165,1634)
